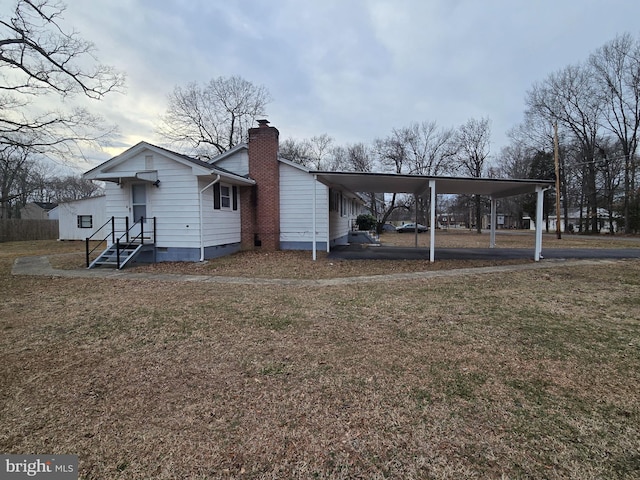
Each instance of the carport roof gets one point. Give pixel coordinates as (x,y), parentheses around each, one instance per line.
(419,184)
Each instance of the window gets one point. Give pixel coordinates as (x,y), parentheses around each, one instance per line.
(85,221)
(225,196)
(139,202)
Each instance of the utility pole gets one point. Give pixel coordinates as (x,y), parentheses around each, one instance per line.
(557,164)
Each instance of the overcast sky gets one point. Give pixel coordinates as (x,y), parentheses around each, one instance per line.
(354,69)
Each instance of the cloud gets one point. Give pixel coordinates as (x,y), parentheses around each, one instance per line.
(352,69)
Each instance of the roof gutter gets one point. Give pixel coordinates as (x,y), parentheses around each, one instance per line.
(202,215)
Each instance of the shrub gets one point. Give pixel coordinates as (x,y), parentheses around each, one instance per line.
(366,222)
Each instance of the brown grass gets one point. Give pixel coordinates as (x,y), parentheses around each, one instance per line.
(299,265)
(533,374)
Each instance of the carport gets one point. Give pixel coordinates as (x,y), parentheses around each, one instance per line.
(420,185)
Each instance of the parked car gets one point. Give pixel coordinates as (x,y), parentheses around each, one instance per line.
(387,227)
(411,227)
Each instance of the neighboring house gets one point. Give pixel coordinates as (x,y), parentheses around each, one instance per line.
(245,198)
(37,211)
(503,221)
(78,219)
(573,221)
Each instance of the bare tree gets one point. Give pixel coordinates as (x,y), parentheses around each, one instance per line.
(429,149)
(617,72)
(359,158)
(610,173)
(392,156)
(392,152)
(319,150)
(513,162)
(69,187)
(15,170)
(570,98)
(213,118)
(472,150)
(40,60)
(420,148)
(295,150)
(314,153)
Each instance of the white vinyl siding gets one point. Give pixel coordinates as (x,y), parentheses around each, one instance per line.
(221,226)
(69,213)
(237,163)
(343,210)
(339,226)
(296,203)
(174,203)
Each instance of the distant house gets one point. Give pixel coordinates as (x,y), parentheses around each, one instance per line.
(245,198)
(78,219)
(574,219)
(37,211)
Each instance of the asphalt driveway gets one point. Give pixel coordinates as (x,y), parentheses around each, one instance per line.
(382,252)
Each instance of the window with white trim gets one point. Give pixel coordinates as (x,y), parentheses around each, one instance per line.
(225,196)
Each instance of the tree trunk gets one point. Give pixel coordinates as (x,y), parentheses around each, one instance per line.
(593,198)
(627,186)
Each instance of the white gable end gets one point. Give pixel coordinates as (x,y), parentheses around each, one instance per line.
(236,162)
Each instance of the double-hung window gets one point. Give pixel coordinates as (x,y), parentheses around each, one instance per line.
(225,197)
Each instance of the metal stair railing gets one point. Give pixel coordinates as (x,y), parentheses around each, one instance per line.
(112,234)
(129,240)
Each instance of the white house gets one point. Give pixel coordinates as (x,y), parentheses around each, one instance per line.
(78,219)
(335,209)
(245,198)
(574,218)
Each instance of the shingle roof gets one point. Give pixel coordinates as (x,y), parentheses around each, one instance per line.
(200,163)
(46,205)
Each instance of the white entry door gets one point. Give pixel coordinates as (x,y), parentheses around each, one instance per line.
(138,207)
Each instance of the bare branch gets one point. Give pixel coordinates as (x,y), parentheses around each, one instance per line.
(213,118)
(38,59)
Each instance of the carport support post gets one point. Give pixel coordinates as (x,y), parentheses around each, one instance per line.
(432,229)
(415,219)
(492,228)
(539,208)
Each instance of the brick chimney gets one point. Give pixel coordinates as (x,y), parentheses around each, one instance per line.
(261,210)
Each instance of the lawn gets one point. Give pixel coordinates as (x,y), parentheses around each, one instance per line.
(530,374)
(299,264)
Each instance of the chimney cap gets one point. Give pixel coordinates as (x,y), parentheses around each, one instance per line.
(263,122)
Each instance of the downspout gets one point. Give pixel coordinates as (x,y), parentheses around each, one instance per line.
(201,216)
(313,219)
